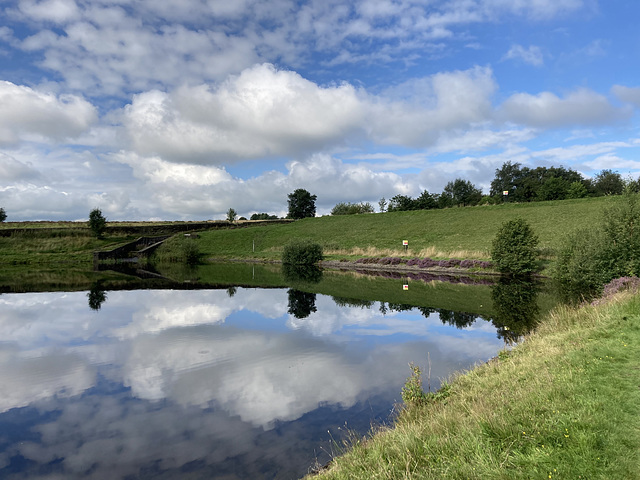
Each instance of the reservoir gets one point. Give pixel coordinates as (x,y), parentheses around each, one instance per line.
(222,382)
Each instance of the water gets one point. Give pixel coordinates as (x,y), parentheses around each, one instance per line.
(214,383)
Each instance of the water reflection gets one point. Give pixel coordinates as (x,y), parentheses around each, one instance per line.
(173,384)
(515,305)
(301,273)
(96,296)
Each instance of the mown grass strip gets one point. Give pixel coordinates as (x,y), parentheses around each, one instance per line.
(563,404)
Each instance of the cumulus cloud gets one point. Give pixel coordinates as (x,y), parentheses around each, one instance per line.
(417,112)
(532,55)
(628,94)
(28,114)
(262,112)
(547,110)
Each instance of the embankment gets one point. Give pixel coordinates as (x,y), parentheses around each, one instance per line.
(562,404)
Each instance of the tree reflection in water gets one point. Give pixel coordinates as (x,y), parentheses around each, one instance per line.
(301,304)
(96,296)
(515,307)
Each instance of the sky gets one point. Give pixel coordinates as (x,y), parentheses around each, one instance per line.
(182,109)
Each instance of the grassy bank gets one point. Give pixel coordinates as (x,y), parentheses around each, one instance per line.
(449,233)
(563,404)
(455,232)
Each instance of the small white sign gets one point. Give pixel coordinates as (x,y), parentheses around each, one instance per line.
(505,192)
(405,242)
(405,287)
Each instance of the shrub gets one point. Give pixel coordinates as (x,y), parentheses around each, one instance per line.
(301,252)
(591,257)
(3,215)
(412,392)
(514,248)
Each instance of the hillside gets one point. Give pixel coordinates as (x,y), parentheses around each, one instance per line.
(454,232)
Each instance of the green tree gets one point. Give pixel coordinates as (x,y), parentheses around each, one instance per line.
(462,193)
(426,201)
(553,188)
(401,203)
(382,203)
(263,216)
(3,215)
(577,190)
(97,222)
(301,204)
(608,182)
(514,248)
(231,215)
(506,178)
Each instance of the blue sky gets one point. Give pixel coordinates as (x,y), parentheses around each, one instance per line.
(181,109)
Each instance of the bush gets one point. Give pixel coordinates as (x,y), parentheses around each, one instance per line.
(3,215)
(301,252)
(343,208)
(514,248)
(591,257)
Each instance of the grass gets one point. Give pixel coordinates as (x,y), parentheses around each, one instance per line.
(464,233)
(562,404)
(450,233)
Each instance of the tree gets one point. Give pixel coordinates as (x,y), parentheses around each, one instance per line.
(608,182)
(97,222)
(382,203)
(577,190)
(506,179)
(263,216)
(514,248)
(301,204)
(231,215)
(554,188)
(426,201)
(3,215)
(401,203)
(462,193)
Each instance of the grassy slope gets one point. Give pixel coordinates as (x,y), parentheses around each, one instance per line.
(469,229)
(563,404)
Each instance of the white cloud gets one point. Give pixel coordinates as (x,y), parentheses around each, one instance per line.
(262,112)
(547,110)
(532,55)
(420,110)
(57,11)
(27,114)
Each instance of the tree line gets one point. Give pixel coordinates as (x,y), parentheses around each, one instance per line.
(515,183)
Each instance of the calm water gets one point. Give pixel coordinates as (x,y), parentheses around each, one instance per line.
(238,383)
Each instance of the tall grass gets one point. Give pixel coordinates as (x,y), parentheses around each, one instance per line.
(563,404)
